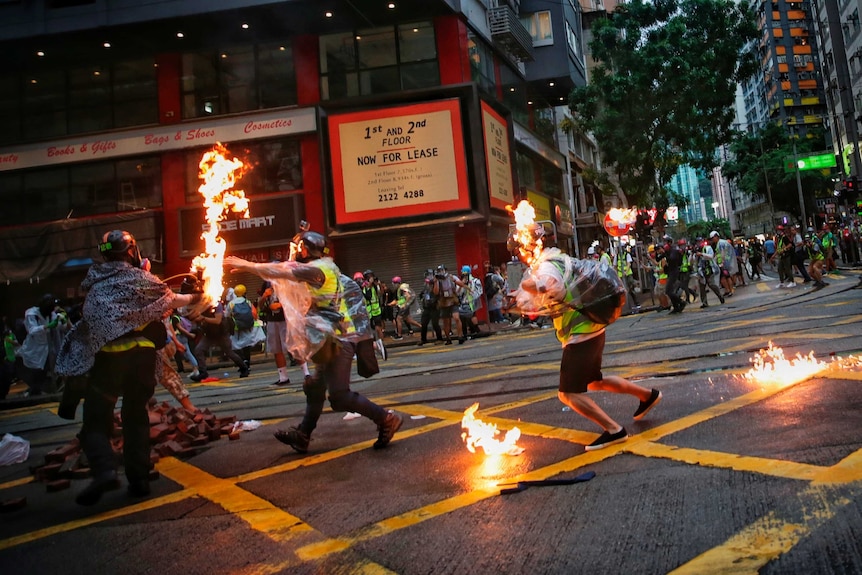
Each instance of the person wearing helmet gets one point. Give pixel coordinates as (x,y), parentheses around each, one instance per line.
(430,311)
(470,296)
(243,314)
(402,302)
(115,342)
(310,265)
(372,291)
(444,287)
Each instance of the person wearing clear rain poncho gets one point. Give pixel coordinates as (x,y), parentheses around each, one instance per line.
(321,328)
(582,296)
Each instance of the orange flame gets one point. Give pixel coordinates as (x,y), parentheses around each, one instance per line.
(772,368)
(219,176)
(481,434)
(623,216)
(525,221)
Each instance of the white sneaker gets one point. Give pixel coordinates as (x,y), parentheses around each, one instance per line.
(791,284)
(779,286)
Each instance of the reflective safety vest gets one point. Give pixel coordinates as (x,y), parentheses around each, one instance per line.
(815,254)
(328,296)
(623,267)
(606,258)
(685,267)
(571,322)
(372,305)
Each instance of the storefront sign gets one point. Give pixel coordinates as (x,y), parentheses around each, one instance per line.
(272,221)
(152,140)
(541,204)
(396,162)
(498,161)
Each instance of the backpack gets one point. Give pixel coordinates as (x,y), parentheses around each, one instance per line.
(242,314)
(491,287)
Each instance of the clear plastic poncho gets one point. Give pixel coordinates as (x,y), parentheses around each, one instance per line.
(590,287)
(307,328)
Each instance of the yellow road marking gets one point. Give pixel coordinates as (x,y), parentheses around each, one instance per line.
(16,483)
(107,516)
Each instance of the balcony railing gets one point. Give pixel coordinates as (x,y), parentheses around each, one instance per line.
(508,32)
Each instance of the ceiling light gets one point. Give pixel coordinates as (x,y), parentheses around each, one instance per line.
(224,55)
(33,81)
(281,48)
(551,84)
(97,73)
(530,102)
(358,37)
(106,44)
(561,98)
(328,14)
(245,26)
(512,89)
(40,53)
(415,29)
(180,35)
(391,5)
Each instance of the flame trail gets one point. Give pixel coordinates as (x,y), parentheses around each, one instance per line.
(772,368)
(219,176)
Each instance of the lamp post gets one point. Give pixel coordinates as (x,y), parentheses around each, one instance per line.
(799,182)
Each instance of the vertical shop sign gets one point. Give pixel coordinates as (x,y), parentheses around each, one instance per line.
(398,162)
(498,160)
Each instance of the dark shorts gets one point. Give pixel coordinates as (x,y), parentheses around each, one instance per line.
(582,364)
(446,312)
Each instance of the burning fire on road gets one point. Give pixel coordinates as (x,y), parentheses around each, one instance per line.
(770,367)
(480,434)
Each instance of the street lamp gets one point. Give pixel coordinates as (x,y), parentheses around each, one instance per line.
(715,206)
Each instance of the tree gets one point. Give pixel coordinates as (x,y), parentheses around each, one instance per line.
(701,229)
(663,90)
(758,156)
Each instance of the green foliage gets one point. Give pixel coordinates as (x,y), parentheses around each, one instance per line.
(701,229)
(759,157)
(662,92)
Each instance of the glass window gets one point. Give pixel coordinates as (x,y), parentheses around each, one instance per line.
(376,47)
(45,105)
(139,181)
(89,100)
(540,28)
(135,93)
(238,79)
(276,76)
(12,197)
(45,195)
(277,167)
(201,95)
(10,110)
(92,189)
(372,62)
(481,64)
(416,42)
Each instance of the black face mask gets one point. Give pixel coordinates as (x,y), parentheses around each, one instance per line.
(46,310)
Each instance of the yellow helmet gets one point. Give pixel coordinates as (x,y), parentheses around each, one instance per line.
(239,290)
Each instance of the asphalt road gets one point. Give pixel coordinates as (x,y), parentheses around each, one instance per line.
(726,475)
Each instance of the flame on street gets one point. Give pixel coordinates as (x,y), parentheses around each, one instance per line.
(772,368)
(478,433)
(219,175)
(525,220)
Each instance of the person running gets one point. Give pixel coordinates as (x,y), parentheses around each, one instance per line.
(583,343)
(310,268)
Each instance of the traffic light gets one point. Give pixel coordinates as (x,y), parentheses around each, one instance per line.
(849,187)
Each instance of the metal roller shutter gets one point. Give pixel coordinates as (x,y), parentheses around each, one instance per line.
(407,254)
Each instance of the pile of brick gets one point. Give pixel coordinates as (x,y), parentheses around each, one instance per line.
(174,431)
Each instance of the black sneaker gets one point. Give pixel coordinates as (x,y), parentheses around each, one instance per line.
(279,382)
(139,487)
(645,406)
(98,486)
(198,377)
(390,425)
(294,438)
(606,439)
(243,373)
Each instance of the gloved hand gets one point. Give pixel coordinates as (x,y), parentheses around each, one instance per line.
(52,324)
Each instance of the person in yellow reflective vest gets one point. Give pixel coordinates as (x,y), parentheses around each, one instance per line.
(815,266)
(623,266)
(313,268)
(583,343)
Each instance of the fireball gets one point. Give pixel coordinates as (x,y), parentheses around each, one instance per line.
(219,175)
(525,223)
(623,217)
(478,433)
